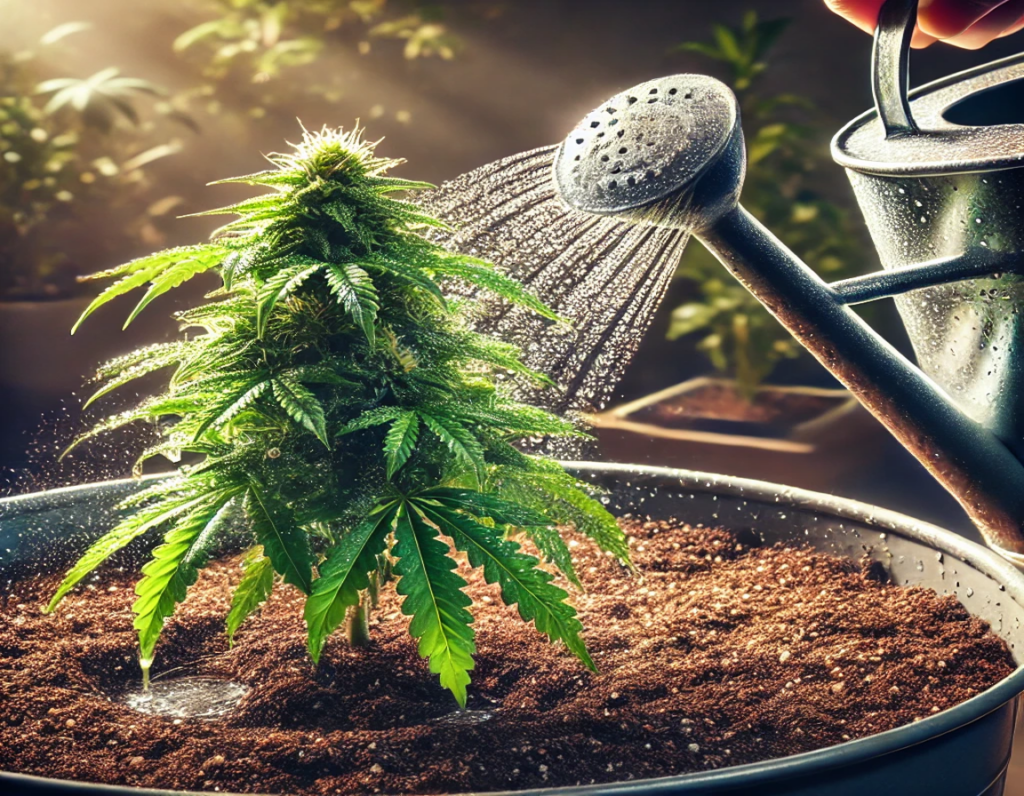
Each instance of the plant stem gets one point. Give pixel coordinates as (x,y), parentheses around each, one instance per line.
(358,624)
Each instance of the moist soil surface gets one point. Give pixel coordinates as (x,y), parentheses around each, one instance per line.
(722,401)
(715,654)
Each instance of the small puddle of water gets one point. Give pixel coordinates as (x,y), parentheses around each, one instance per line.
(464,718)
(198,697)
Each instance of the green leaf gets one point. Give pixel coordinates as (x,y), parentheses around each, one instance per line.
(482,274)
(727,43)
(278,287)
(173,277)
(343,575)
(400,441)
(252,591)
(520,420)
(377,416)
(435,600)
(354,290)
(302,407)
(136,273)
(505,512)
(170,572)
(555,551)
(459,440)
(221,28)
(159,356)
(523,583)
(484,504)
(284,542)
(562,498)
(131,528)
(410,275)
(708,50)
(230,407)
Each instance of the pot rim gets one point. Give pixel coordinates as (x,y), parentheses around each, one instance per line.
(859,750)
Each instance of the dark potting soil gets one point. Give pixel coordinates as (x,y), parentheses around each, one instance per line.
(717,654)
(722,401)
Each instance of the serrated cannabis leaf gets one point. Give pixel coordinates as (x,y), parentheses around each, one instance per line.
(523,583)
(284,543)
(174,567)
(343,575)
(400,441)
(302,406)
(131,528)
(251,592)
(354,290)
(458,438)
(435,600)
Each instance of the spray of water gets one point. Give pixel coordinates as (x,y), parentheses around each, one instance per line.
(606,276)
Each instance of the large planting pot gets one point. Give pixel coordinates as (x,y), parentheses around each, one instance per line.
(960,752)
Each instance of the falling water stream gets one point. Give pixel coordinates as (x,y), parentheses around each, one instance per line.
(605,276)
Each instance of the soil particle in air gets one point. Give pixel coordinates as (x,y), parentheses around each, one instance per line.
(716,654)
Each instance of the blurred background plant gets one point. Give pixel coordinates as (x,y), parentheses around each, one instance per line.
(253,42)
(787,143)
(73,153)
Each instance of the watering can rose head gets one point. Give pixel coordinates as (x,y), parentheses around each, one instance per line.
(352,424)
(667,152)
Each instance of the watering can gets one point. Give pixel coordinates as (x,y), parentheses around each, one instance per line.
(939,176)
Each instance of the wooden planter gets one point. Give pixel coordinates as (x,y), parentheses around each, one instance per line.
(809,437)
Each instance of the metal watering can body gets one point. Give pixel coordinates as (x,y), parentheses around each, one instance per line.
(951,189)
(940,179)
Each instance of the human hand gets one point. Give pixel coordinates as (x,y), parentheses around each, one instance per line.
(970,24)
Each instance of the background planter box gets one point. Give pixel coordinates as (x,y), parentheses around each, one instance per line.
(806,436)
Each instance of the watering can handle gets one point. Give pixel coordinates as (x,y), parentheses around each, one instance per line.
(890,66)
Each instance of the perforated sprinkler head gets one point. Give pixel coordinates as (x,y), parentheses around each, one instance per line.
(668,152)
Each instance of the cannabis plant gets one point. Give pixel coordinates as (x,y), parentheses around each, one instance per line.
(784,150)
(349,416)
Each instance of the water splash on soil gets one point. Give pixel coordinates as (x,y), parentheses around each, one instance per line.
(196,697)
(465,718)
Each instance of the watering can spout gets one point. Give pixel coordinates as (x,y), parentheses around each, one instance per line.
(670,152)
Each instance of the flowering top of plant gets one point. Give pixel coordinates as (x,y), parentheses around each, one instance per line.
(346,410)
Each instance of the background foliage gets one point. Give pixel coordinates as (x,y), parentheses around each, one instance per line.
(787,144)
(73,157)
